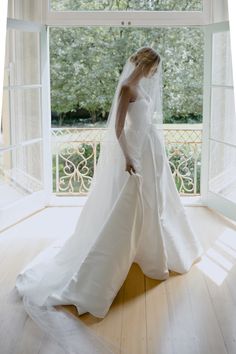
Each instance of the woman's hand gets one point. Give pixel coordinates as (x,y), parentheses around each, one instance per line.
(129,166)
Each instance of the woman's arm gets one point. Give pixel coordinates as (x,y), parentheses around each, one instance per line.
(123,102)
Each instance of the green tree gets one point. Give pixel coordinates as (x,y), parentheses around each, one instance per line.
(121,5)
(86,63)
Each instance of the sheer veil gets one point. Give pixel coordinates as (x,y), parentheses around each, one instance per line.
(68,331)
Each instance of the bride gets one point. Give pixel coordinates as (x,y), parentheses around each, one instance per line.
(133,212)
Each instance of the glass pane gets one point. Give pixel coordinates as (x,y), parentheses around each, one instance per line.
(22,60)
(223,118)
(29,10)
(27,113)
(10,190)
(21,116)
(6,137)
(222,173)
(29,161)
(126,5)
(221,59)
(20,172)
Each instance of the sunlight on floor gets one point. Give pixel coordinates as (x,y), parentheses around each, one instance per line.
(227,249)
(221,260)
(229,238)
(215,265)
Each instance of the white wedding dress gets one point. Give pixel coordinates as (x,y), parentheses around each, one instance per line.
(146,223)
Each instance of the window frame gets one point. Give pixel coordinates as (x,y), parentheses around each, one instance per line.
(211,198)
(31,203)
(125,18)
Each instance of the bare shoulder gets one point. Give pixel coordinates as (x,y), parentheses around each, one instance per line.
(127,90)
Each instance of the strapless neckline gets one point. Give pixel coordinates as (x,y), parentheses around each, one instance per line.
(141,99)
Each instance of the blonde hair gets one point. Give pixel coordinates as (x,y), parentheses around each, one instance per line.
(145,56)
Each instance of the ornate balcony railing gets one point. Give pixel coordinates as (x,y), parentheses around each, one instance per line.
(76,151)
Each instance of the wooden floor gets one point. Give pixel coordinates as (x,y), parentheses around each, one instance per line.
(186,314)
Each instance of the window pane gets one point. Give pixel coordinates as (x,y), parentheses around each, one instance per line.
(6,137)
(22,60)
(127,5)
(223,118)
(20,172)
(29,161)
(10,190)
(21,116)
(221,59)
(223,170)
(27,113)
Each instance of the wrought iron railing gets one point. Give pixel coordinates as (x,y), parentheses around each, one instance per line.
(76,151)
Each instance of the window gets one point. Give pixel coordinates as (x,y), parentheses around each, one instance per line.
(85,64)
(21,126)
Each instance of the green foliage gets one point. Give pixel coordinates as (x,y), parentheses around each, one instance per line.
(86,63)
(188,118)
(157,5)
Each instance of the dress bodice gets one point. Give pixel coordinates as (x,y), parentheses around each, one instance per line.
(137,124)
(138,114)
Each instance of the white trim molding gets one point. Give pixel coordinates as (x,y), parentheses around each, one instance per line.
(21,25)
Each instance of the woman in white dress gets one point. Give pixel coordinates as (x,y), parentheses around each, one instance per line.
(133,212)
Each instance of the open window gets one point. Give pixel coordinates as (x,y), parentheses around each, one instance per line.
(25,129)
(218,182)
